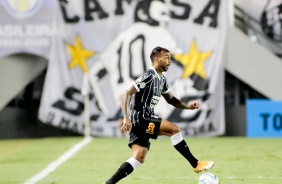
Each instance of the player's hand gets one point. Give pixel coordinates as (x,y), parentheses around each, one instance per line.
(194,105)
(127,125)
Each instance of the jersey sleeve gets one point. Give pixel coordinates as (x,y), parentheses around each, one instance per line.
(165,87)
(142,81)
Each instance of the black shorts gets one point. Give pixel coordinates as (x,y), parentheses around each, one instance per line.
(144,129)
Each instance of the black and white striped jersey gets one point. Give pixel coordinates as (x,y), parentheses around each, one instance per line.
(150,86)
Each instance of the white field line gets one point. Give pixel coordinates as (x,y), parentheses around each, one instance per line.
(51,167)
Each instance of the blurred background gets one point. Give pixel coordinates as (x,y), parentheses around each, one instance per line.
(63,64)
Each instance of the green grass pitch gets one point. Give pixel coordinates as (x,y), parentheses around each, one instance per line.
(237,160)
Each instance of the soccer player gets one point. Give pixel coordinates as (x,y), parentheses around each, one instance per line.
(142,97)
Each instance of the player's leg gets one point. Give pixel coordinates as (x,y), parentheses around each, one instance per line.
(138,157)
(170,129)
(139,146)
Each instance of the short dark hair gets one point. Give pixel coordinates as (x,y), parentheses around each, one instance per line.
(156,52)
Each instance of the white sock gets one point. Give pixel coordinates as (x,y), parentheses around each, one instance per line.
(176,138)
(133,162)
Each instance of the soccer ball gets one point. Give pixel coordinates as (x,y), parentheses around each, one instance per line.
(208,178)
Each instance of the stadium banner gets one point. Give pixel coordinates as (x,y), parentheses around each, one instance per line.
(25,28)
(264,20)
(109,42)
(264,118)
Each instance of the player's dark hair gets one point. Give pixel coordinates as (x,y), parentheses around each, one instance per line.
(157,51)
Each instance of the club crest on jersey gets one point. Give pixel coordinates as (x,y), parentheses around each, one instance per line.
(142,85)
(151,128)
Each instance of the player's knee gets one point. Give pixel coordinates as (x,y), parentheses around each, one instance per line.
(175,130)
(140,158)
(140,155)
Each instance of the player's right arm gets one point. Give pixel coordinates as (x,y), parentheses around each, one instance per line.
(125,99)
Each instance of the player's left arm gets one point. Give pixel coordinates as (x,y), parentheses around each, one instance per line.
(172,100)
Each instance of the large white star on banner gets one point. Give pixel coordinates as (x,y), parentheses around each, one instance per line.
(79,55)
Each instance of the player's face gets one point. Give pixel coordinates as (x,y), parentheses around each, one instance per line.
(165,61)
(159,12)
